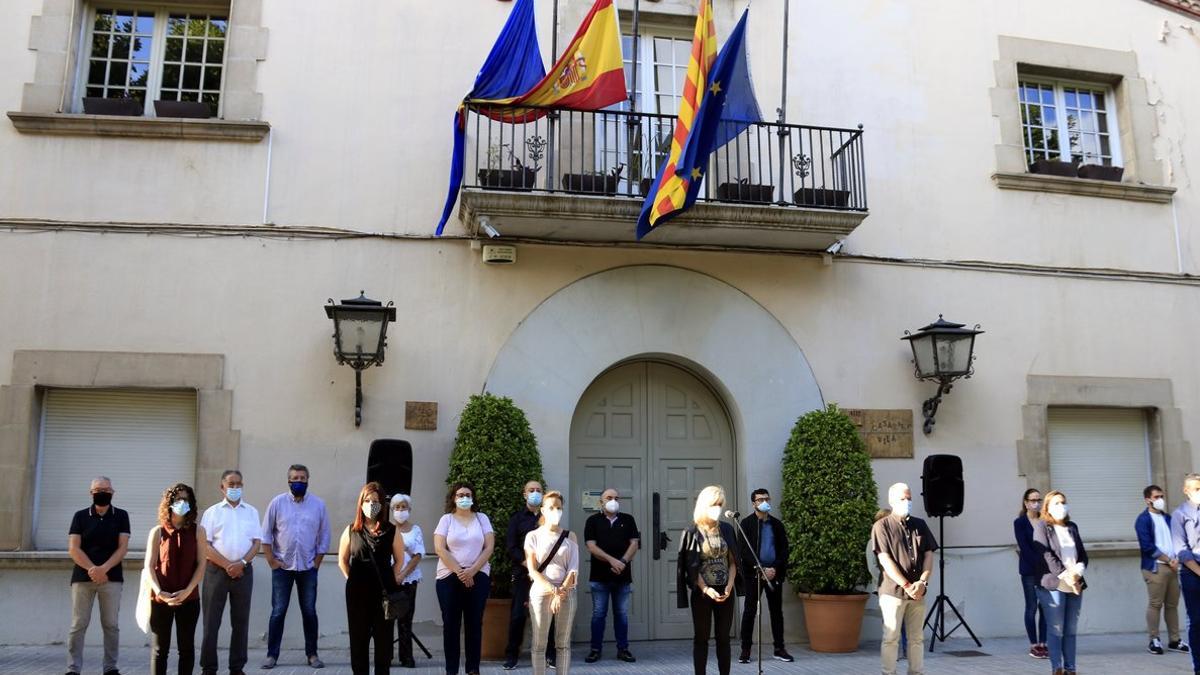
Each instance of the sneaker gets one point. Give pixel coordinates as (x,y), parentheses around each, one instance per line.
(744,657)
(551,665)
(269,663)
(624,655)
(1043,652)
(1179,646)
(1155,646)
(510,664)
(592,657)
(114,671)
(782,655)
(315,661)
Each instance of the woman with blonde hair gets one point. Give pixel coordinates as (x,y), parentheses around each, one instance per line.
(706,578)
(552,558)
(400,515)
(1060,568)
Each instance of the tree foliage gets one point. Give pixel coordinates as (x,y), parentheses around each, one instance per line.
(495,450)
(830,491)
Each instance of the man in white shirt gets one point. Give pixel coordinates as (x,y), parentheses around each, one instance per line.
(233,531)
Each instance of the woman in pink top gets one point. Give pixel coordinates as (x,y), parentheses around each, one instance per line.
(463,541)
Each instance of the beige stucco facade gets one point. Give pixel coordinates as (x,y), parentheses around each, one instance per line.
(205,261)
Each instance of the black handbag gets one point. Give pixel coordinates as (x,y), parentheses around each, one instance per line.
(395,603)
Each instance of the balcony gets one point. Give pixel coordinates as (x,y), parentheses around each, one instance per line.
(581,177)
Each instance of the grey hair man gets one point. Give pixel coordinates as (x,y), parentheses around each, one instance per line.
(97,543)
(905,546)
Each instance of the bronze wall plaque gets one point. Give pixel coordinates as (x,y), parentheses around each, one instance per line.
(421,415)
(887,433)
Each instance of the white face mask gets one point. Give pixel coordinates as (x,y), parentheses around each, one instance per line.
(401,515)
(1159,504)
(714,512)
(612,506)
(1058,511)
(552,516)
(371,509)
(902,507)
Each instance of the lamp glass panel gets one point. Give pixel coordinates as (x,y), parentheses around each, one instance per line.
(954,354)
(359,332)
(923,353)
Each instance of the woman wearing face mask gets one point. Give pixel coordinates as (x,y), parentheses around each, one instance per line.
(1061,565)
(552,558)
(463,542)
(1028,519)
(175,552)
(370,556)
(706,577)
(410,574)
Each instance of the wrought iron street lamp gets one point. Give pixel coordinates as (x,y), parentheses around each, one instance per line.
(943,352)
(359,337)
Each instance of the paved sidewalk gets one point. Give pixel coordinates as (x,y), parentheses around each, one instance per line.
(1099,654)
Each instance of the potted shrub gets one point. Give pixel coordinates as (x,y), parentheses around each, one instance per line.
(1054,167)
(518,177)
(123,106)
(827,478)
(745,191)
(495,450)
(594,183)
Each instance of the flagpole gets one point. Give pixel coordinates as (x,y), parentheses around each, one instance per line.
(634,121)
(783,132)
(552,116)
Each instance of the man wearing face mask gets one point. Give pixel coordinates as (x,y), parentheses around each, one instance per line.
(612,538)
(905,546)
(1185,539)
(764,536)
(1160,568)
(522,523)
(234,532)
(295,537)
(97,542)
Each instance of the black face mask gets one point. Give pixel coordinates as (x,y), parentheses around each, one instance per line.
(102,498)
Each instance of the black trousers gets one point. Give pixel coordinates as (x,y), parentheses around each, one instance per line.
(709,615)
(219,587)
(516,621)
(365,622)
(404,640)
(184,617)
(774,606)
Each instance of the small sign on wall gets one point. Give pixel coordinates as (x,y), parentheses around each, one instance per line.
(420,415)
(591,500)
(887,433)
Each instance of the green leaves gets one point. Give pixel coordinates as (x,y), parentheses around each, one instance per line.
(495,450)
(830,491)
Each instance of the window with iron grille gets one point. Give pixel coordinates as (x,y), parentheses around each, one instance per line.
(1069,122)
(147,54)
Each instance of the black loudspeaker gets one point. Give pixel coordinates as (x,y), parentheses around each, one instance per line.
(390,463)
(942,485)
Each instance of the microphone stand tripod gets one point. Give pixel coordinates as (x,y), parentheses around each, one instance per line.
(762,579)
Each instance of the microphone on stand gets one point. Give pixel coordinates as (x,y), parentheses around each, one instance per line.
(734,515)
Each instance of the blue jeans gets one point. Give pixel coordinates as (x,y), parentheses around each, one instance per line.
(620,593)
(1035,621)
(463,607)
(281,596)
(1189,584)
(1062,619)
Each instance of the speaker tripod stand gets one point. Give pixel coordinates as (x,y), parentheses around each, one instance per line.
(936,619)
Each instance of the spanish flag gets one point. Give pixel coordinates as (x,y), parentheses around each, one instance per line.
(590,74)
(670,191)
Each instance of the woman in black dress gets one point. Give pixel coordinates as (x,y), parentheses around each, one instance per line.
(371,557)
(706,576)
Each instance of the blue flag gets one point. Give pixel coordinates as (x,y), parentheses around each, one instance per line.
(727,109)
(513,67)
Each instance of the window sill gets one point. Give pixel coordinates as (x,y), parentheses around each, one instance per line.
(56,560)
(64,124)
(1112,549)
(1084,187)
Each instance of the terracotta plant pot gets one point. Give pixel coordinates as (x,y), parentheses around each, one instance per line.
(495,628)
(1101,172)
(834,622)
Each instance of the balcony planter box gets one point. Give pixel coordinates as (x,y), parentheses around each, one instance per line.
(645,185)
(514,179)
(591,183)
(1054,167)
(1101,172)
(125,107)
(189,109)
(745,192)
(822,198)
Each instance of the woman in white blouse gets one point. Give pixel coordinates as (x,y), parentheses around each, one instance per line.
(1063,562)
(410,574)
(552,558)
(463,542)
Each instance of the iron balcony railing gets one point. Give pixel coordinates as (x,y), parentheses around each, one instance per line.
(618,153)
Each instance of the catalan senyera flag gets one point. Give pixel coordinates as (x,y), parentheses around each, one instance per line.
(589,75)
(667,196)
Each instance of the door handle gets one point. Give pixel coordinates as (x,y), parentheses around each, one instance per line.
(656,522)
(663,539)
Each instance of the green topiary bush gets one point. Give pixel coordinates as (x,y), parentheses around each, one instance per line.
(830,493)
(495,450)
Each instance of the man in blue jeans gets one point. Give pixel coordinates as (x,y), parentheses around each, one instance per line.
(1185,537)
(295,537)
(612,538)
